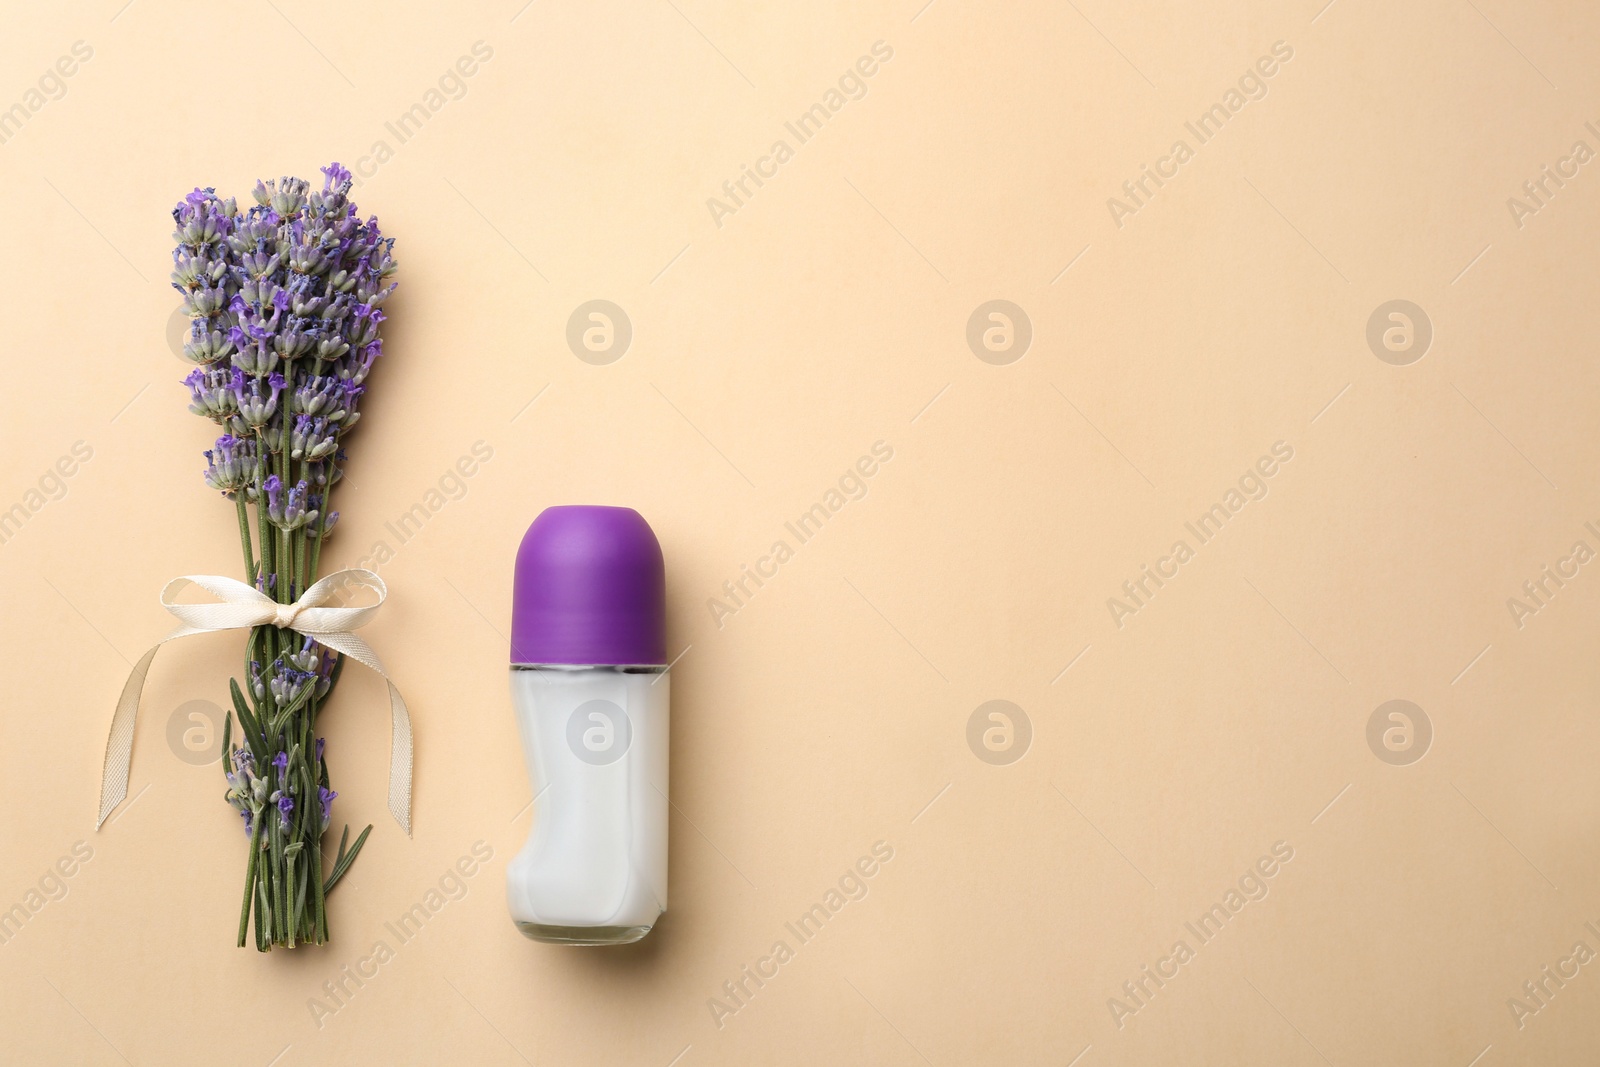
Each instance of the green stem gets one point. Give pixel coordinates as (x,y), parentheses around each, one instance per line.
(261,914)
(288,879)
(285,563)
(317,888)
(281,913)
(244,537)
(250,879)
(285,884)
(314,827)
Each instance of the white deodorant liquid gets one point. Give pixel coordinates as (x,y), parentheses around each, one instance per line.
(594,871)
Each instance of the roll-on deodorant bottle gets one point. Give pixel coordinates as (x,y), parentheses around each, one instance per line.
(589,685)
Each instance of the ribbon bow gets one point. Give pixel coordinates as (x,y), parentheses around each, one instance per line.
(246,606)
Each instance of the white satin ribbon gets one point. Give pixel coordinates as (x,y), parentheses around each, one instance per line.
(245,606)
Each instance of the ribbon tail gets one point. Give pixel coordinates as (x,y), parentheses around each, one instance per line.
(399,720)
(399,760)
(119,745)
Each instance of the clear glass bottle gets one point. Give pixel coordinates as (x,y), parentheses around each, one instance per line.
(589,684)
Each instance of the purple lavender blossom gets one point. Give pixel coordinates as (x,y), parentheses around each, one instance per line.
(287,682)
(308,658)
(325,673)
(253,352)
(232,465)
(288,293)
(273,487)
(297,506)
(321,395)
(256,405)
(291,510)
(286,300)
(334,175)
(312,438)
(215,393)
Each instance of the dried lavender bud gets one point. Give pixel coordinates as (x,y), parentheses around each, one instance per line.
(324,396)
(233,465)
(258,264)
(255,408)
(252,233)
(286,684)
(207,346)
(291,510)
(202,219)
(254,353)
(293,341)
(364,328)
(201,267)
(325,798)
(205,300)
(298,509)
(215,392)
(309,657)
(286,196)
(347,415)
(312,438)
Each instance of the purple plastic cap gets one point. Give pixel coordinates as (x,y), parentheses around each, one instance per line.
(590,588)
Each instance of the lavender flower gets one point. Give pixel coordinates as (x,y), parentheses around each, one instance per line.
(287,293)
(233,465)
(203,220)
(207,346)
(328,523)
(322,395)
(246,792)
(287,683)
(325,679)
(256,405)
(253,352)
(309,657)
(215,393)
(291,510)
(286,300)
(273,487)
(312,438)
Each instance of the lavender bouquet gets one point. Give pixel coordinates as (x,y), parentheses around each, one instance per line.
(285,300)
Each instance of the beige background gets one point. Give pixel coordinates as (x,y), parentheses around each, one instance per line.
(829,312)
